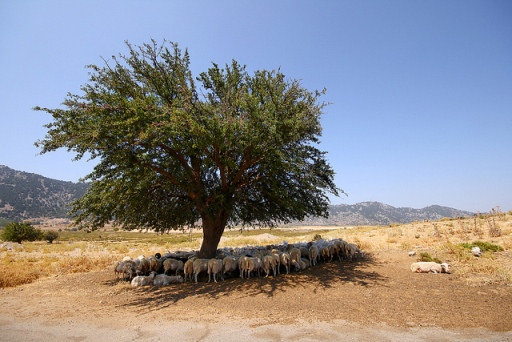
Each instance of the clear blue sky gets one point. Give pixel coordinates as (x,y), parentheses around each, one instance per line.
(421,91)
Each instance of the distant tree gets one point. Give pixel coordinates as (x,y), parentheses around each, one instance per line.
(238,149)
(19,231)
(51,235)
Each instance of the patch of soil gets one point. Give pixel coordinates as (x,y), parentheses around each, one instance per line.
(367,297)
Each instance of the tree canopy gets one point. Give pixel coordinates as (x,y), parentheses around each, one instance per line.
(174,150)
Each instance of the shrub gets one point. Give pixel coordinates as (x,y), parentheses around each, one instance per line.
(425,256)
(19,231)
(484,246)
(51,235)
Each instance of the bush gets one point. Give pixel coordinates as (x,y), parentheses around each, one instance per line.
(425,256)
(51,235)
(19,231)
(484,246)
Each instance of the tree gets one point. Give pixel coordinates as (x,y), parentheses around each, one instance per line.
(238,149)
(19,231)
(51,235)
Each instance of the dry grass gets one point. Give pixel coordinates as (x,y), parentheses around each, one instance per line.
(84,252)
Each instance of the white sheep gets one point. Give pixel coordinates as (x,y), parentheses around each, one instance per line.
(214,267)
(253,264)
(295,257)
(164,280)
(200,265)
(313,255)
(229,264)
(143,266)
(242,265)
(429,266)
(143,280)
(188,268)
(171,264)
(324,252)
(277,260)
(269,263)
(285,261)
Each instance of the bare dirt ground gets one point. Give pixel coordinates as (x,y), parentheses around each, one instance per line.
(375,299)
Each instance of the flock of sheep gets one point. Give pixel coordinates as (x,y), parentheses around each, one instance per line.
(249,261)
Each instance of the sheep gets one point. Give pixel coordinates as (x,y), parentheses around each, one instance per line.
(304,252)
(143,280)
(127,258)
(476,251)
(155,264)
(118,268)
(242,265)
(252,264)
(333,250)
(214,267)
(200,265)
(143,266)
(313,255)
(128,269)
(324,253)
(170,264)
(275,254)
(295,257)
(304,263)
(229,264)
(429,266)
(352,251)
(188,268)
(285,261)
(164,280)
(269,263)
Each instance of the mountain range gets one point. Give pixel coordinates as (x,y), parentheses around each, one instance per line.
(26,195)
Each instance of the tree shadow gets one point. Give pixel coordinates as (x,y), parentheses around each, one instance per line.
(323,276)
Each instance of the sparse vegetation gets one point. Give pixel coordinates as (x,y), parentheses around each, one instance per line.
(446,240)
(483,245)
(425,256)
(20,231)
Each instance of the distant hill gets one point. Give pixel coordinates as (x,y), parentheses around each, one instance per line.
(376,213)
(26,195)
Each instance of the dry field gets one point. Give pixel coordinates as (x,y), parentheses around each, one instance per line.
(67,290)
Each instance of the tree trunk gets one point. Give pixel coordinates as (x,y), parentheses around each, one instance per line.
(212,232)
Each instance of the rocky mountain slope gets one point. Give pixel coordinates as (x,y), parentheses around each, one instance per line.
(376,213)
(26,195)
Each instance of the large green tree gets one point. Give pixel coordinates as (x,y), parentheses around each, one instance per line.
(224,148)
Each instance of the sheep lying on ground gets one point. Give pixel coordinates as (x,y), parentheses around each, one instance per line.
(164,280)
(428,266)
(214,267)
(143,280)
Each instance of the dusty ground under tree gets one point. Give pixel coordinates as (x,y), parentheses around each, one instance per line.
(378,298)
